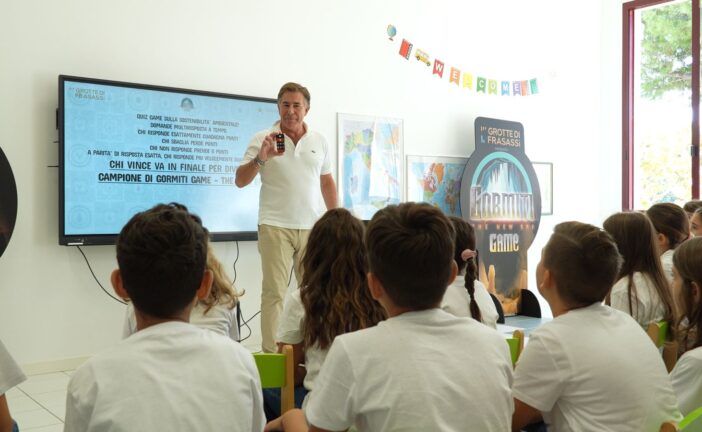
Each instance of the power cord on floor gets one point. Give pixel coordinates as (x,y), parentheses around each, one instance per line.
(239,314)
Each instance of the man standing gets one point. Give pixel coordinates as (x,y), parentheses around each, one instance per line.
(289,197)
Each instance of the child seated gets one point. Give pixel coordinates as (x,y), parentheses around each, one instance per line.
(10,376)
(216,313)
(672,228)
(169,375)
(691,207)
(406,373)
(333,298)
(696,223)
(687,283)
(467,296)
(592,368)
(641,289)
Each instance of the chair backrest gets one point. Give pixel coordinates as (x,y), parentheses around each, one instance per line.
(659,333)
(516,345)
(278,371)
(693,421)
(498,306)
(529,304)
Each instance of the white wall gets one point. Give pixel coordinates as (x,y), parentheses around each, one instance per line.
(53,310)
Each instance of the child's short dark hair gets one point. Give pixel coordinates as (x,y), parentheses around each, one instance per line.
(162,254)
(584,261)
(410,251)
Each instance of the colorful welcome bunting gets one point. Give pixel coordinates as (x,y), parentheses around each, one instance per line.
(464,79)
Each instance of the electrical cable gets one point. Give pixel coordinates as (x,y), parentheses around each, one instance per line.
(235,261)
(239,314)
(95,277)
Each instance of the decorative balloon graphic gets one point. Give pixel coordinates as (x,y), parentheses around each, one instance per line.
(392,31)
(8,202)
(466,80)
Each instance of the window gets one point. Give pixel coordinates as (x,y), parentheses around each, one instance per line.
(660,121)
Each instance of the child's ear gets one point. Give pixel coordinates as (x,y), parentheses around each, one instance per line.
(696,292)
(116,279)
(548,281)
(663,243)
(205,285)
(374,286)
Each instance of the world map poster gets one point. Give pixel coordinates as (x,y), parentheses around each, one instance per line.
(370,163)
(437,181)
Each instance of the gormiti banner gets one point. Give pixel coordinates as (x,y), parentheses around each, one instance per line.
(500,197)
(464,79)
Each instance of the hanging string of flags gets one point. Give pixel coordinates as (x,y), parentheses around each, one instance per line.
(464,79)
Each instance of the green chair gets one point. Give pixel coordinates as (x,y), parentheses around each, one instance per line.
(693,421)
(659,334)
(278,371)
(516,345)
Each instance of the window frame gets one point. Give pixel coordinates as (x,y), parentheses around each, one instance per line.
(628,91)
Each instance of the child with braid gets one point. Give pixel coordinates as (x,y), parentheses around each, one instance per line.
(466,296)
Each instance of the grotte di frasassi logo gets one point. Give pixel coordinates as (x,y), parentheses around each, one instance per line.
(500,198)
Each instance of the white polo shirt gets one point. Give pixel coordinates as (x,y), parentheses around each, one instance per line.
(219,319)
(290,332)
(419,371)
(648,306)
(687,380)
(171,376)
(290,192)
(457,301)
(595,369)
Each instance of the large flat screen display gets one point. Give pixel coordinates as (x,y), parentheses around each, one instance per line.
(124,147)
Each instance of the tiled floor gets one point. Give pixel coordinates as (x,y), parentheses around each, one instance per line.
(39,404)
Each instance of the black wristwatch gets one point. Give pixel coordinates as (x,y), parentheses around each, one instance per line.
(259,162)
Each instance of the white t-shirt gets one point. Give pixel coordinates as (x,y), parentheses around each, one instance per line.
(419,371)
(290,188)
(10,372)
(595,369)
(290,332)
(457,301)
(168,377)
(648,306)
(219,319)
(687,380)
(667,264)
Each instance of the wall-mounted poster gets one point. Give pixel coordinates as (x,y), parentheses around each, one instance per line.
(500,197)
(370,163)
(8,202)
(436,180)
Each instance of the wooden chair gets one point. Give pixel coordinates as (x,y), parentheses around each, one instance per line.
(658,332)
(668,427)
(516,345)
(278,371)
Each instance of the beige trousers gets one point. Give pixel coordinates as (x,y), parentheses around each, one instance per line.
(280,249)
